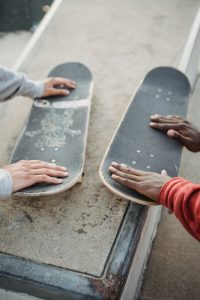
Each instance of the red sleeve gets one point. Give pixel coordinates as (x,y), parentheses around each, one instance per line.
(183,198)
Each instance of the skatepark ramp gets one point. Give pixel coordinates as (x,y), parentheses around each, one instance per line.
(87,243)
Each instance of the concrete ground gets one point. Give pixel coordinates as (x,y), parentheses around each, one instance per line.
(11,45)
(120,42)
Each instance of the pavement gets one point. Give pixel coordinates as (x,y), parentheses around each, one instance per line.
(120,42)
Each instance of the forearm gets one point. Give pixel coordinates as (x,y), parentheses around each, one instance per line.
(183,198)
(6,184)
(13,84)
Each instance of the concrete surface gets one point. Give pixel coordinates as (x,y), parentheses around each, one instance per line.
(11,45)
(120,42)
(173,270)
(7,295)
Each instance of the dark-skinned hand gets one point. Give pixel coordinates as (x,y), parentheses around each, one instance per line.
(146,183)
(179,129)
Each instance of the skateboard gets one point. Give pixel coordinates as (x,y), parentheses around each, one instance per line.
(165,91)
(56,130)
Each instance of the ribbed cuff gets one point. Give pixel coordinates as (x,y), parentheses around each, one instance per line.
(164,190)
(6,184)
(34,89)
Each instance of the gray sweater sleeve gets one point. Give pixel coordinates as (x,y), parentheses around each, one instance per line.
(6,184)
(14,84)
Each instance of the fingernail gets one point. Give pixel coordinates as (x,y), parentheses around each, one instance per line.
(163,172)
(152,124)
(170,133)
(60,180)
(115,164)
(64,168)
(123,165)
(113,176)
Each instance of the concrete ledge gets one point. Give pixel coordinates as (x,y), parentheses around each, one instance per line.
(48,282)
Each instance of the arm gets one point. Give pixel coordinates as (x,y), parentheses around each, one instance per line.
(14,83)
(183,198)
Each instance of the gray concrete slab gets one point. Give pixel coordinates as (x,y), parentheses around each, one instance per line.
(120,42)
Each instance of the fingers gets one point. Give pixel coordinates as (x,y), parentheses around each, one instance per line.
(166,119)
(168,125)
(49,172)
(37,164)
(58,86)
(126,182)
(57,92)
(126,169)
(168,122)
(59,81)
(125,175)
(43,178)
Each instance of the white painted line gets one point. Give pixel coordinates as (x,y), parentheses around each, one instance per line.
(43,24)
(189,63)
(62,104)
(71,104)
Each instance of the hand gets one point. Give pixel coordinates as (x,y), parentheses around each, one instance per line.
(58,86)
(178,129)
(146,183)
(29,172)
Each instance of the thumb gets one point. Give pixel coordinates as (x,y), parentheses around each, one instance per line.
(177,136)
(164,172)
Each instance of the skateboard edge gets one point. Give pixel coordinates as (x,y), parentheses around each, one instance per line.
(40,194)
(113,190)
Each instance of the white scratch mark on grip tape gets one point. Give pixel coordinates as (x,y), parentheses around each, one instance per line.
(72,104)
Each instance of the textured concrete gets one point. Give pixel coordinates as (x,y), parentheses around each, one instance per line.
(11,45)
(120,42)
(173,271)
(7,295)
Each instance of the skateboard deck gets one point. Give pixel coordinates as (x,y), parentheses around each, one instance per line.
(56,130)
(164,91)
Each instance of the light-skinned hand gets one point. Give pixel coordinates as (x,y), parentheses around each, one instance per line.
(26,173)
(58,86)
